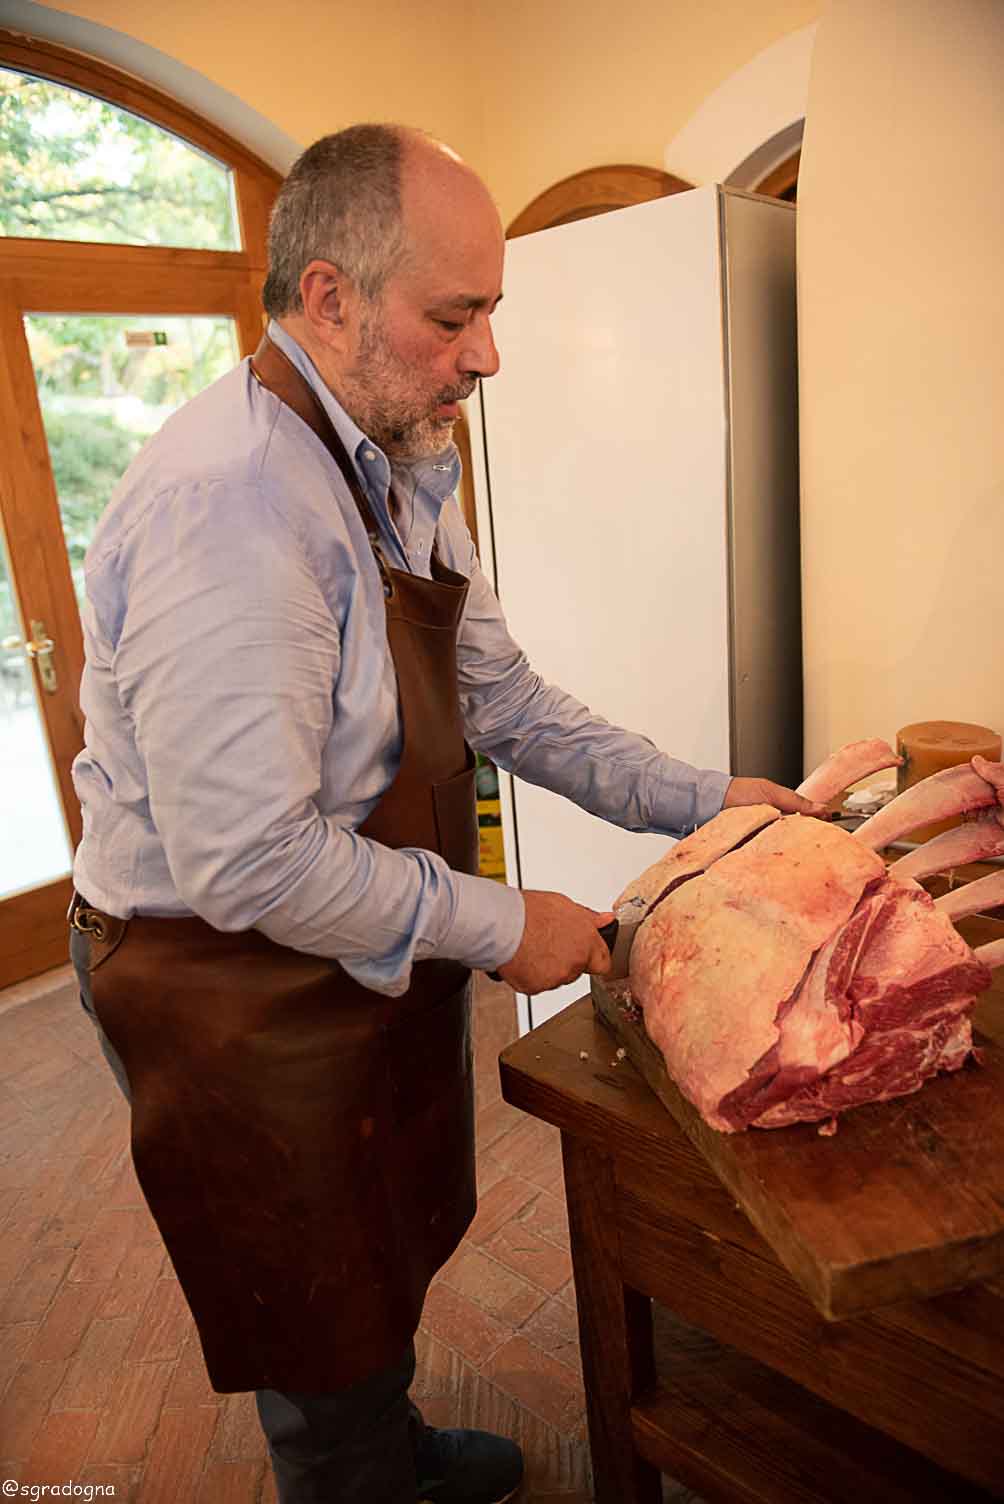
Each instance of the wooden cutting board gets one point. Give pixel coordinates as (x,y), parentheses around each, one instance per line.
(905,1200)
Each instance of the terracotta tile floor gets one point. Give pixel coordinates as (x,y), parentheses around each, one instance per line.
(101,1379)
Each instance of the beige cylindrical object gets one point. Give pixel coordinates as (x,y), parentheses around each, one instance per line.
(929,746)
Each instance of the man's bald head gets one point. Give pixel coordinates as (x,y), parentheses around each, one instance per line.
(366,199)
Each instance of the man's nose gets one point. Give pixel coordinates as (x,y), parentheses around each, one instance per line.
(479,356)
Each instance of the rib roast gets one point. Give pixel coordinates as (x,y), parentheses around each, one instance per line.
(786,974)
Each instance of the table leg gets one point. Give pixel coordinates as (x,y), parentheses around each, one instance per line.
(615,1330)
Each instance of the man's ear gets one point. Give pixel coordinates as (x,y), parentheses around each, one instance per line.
(330,303)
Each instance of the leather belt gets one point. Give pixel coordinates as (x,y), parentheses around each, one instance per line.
(86,919)
(105,931)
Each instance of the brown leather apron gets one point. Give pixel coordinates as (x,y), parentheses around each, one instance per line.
(306,1145)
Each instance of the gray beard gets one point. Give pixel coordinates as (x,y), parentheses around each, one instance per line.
(416,439)
(370,397)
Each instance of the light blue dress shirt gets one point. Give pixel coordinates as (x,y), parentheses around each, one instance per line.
(240,704)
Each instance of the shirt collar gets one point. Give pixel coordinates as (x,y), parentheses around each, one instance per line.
(439,473)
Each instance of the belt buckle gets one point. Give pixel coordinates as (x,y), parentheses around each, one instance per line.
(85,920)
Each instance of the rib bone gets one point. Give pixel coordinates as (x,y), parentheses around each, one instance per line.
(953,791)
(847,766)
(974,841)
(991,954)
(973,898)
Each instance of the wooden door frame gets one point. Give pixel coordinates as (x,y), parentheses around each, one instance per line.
(594,190)
(53,276)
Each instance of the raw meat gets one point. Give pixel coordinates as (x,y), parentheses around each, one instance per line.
(793,977)
(690,857)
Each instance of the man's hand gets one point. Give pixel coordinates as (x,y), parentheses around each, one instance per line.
(560,942)
(762,791)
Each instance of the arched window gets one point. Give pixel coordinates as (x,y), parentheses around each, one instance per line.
(132,253)
(75,167)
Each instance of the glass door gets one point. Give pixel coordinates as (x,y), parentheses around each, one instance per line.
(132,256)
(102,385)
(35,844)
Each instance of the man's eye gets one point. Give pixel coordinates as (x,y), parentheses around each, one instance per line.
(449,324)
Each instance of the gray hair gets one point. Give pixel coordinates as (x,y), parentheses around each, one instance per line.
(341,203)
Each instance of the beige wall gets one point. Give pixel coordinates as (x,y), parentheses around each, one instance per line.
(901,313)
(577,83)
(313,66)
(529,91)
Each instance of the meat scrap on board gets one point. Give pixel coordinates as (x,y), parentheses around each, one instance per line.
(786,975)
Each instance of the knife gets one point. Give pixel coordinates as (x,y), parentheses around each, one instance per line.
(619,935)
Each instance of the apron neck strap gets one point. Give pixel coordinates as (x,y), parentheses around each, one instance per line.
(274,370)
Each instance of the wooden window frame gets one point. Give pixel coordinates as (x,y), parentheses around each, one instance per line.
(255,182)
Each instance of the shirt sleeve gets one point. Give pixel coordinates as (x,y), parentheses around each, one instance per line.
(226,662)
(547,737)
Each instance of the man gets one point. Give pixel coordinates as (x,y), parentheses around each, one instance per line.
(288,641)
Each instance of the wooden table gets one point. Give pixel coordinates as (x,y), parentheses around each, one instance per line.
(901,1404)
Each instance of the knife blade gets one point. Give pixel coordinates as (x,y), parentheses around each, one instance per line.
(619,936)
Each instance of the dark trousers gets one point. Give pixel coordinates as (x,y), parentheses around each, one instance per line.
(355,1446)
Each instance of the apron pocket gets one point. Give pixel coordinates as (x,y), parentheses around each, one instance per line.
(457,819)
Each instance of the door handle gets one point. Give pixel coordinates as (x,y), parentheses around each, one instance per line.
(40,648)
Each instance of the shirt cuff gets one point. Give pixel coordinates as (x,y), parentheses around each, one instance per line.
(710,795)
(487,924)
(684,803)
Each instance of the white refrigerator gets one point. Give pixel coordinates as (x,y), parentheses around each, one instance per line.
(636,477)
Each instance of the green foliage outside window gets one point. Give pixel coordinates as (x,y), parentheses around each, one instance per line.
(102,396)
(89,454)
(73,167)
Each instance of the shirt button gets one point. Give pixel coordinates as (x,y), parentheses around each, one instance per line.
(369,454)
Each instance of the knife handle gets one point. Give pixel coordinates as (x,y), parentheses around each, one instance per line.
(608,934)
